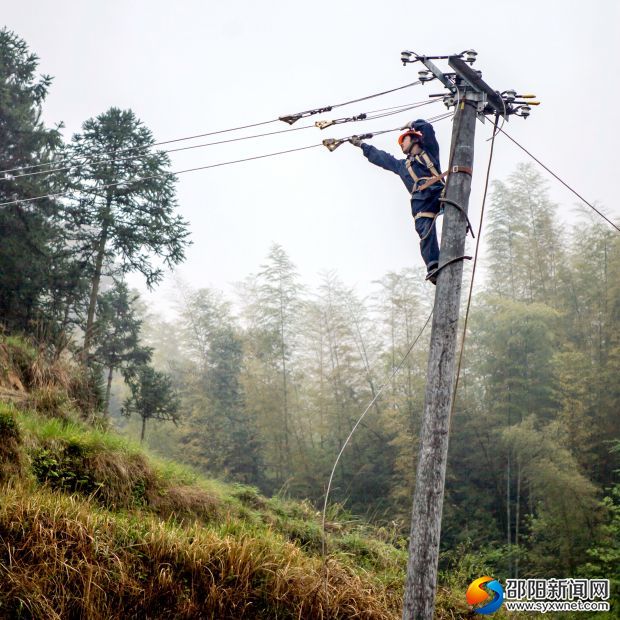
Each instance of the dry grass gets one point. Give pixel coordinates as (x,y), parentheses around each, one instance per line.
(25,366)
(67,560)
(90,527)
(44,373)
(185,502)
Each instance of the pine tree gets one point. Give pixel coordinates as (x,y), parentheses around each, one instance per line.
(126,211)
(27,229)
(153,397)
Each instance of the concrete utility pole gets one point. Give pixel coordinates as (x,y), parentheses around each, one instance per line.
(473,97)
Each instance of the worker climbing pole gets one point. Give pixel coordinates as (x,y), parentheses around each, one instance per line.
(473,98)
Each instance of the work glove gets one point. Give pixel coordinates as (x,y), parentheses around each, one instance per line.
(412,125)
(356,141)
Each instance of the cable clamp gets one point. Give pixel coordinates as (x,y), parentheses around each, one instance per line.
(333,144)
(338,121)
(293,118)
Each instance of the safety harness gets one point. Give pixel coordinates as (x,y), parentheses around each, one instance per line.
(424,159)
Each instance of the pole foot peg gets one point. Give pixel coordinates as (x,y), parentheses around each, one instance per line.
(435,272)
(456,205)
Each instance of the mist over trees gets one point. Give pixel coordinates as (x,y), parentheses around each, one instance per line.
(532,455)
(264,387)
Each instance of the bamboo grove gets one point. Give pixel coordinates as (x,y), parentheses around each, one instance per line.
(264,385)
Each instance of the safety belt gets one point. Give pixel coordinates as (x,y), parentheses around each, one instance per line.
(424,159)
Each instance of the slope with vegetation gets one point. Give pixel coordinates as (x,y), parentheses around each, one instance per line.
(92,526)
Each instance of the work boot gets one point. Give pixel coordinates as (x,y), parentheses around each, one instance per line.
(431,274)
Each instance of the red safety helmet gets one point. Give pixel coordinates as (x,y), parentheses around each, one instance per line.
(416,136)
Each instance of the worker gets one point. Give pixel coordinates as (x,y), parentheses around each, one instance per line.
(420,172)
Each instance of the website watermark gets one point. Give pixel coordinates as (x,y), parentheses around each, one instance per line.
(486,595)
(550,606)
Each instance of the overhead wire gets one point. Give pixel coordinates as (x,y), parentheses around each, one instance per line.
(384,92)
(359,421)
(216,165)
(377,114)
(553,174)
(154,176)
(473,274)
(293,118)
(221,131)
(200,135)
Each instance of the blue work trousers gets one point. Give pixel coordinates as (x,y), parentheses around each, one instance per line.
(427,201)
(429,248)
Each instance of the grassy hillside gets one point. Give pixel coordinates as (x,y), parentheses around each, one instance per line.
(93,527)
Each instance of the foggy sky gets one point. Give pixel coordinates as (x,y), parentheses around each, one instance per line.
(190,67)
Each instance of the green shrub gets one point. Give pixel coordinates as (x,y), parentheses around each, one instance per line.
(10,443)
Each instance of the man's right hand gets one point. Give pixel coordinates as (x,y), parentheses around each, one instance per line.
(356,141)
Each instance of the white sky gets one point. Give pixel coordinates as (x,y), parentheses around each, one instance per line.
(190,67)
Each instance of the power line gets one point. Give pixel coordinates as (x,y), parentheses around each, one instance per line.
(473,273)
(293,118)
(385,92)
(230,129)
(154,176)
(183,148)
(225,163)
(381,113)
(560,180)
(200,135)
(359,421)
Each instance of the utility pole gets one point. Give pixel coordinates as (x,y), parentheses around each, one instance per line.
(473,98)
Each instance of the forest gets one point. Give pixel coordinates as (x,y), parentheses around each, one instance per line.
(261,386)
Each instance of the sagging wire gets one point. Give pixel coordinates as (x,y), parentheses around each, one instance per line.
(171,174)
(132,157)
(346,441)
(371,115)
(220,131)
(177,172)
(200,135)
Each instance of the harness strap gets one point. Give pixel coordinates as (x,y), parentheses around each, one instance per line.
(417,216)
(424,159)
(439,177)
(414,176)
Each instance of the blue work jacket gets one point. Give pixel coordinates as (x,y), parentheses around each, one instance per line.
(425,200)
